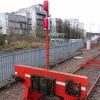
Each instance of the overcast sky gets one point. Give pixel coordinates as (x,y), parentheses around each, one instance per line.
(88,11)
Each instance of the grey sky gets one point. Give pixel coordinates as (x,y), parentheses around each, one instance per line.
(85,10)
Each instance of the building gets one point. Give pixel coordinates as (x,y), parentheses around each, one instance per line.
(75,23)
(0,28)
(23,21)
(55,25)
(37,14)
(14,24)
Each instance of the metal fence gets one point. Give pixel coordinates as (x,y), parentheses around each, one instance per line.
(35,57)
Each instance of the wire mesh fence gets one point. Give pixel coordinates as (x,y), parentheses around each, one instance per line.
(35,57)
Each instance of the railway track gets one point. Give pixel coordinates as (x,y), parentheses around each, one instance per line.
(95,95)
(91,69)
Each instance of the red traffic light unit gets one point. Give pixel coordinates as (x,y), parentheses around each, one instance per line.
(45,5)
(46,23)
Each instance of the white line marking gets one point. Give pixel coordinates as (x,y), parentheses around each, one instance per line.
(27,75)
(60,83)
(16,73)
(63,84)
(83,88)
(78,57)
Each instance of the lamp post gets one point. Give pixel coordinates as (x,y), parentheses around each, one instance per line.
(91,30)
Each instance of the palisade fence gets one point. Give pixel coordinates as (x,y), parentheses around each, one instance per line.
(35,57)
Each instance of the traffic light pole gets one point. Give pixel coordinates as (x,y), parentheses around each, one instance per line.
(46,8)
(47,50)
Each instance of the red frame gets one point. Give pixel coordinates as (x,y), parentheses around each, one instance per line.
(25,72)
(90,62)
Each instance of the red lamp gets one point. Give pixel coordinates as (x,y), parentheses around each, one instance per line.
(45,5)
(45,22)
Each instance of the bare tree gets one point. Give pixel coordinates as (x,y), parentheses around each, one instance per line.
(66,29)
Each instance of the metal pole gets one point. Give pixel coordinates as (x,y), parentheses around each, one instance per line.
(47,50)
(47,43)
